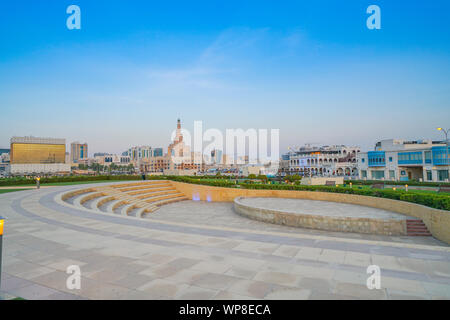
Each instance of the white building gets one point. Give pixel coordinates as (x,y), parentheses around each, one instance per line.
(338,160)
(394,159)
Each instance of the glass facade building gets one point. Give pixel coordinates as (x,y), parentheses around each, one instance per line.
(30,150)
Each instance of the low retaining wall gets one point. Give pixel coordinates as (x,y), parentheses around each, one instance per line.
(389,227)
(437,221)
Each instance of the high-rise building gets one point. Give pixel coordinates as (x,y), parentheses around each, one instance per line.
(78,151)
(38,155)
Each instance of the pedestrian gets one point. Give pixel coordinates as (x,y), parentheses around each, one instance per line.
(38,182)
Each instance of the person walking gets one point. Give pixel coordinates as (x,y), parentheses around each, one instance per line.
(38,182)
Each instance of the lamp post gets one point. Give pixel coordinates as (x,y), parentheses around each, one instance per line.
(446,147)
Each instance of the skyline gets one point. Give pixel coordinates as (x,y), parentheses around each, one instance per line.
(124,78)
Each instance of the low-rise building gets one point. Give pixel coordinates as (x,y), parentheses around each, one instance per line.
(400,160)
(337,160)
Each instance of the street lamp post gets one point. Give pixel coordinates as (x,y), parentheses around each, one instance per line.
(446,148)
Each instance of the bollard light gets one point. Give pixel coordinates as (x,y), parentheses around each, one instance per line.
(406,187)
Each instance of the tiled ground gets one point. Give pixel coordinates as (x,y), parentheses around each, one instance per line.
(196,250)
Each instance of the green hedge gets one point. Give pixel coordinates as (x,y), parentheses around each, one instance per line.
(397,183)
(29,181)
(429,200)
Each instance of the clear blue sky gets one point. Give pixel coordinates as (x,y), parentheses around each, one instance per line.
(310,68)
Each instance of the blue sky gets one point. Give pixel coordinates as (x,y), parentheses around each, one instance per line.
(310,68)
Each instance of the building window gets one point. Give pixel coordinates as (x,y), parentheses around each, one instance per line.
(363,173)
(390,159)
(391,172)
(427,156)
(442,175)
(377,174)
(363,160)
(429,175)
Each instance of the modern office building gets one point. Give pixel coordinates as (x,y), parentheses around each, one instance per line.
(32,155)
(338,160)
(394,159)
(78,151)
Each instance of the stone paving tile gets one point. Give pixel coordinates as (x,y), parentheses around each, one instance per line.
(139,295)
(183,263)
(163,288)
(309,253)
(286,251)
(357,259)
(238,272)
(160,271)
(315,284)
(411,286)
(403,295)
(289,294)
(280,278)
(196,293)
(227,295)
(358,278)
(440,268)
(55,280)
(212,266)
(35,272)
(158,258)
(332,256)
(314,272)
(437,289)
(12,283)
(213,281)
(359,291)
(92,289)
(317,295)
(63,296)
(34,292)
(132,281)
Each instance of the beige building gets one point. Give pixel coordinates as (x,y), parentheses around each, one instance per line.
(78,151)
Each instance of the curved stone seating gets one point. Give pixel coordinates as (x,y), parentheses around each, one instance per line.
(322,215)
(127,199)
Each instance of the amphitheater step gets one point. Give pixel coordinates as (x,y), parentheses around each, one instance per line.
(417,228)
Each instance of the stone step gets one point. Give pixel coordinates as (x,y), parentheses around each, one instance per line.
(158,193)
(147,186)
(158,198)
(150,190)
(416,228)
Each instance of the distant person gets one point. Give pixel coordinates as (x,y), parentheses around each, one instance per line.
(143,176)
(38,182)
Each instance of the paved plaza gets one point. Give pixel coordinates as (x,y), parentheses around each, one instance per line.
(202,250)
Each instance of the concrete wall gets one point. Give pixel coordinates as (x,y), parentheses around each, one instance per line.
(437,221)
(321,180)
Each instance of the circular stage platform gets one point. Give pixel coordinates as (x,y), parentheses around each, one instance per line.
(323,215)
